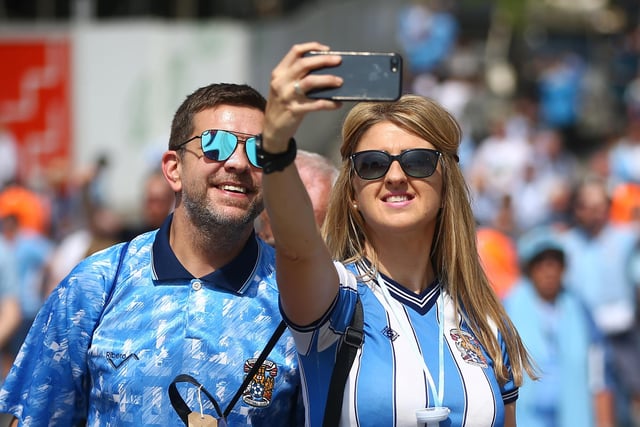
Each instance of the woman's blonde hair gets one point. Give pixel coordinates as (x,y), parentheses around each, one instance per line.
(454,252)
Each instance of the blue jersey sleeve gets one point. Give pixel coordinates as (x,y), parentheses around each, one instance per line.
(47,383)
(508,390)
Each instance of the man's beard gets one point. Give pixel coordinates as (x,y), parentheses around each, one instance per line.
(213,225)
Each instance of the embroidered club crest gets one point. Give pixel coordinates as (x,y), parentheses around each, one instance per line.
(469,348)
(259,392)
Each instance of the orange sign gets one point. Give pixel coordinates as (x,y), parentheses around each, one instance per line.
(35,100)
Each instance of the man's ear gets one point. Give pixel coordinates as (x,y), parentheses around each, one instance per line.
(171,169)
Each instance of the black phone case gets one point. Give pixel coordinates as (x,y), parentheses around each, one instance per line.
(367,76)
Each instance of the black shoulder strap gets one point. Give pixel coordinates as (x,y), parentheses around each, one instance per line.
(181,407)
(179,404)
(259,361)
(350,343)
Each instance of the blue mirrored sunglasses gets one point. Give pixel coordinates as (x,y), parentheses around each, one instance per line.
(219,145)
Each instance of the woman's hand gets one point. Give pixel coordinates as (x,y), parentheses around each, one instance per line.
(287,103)
(307,279)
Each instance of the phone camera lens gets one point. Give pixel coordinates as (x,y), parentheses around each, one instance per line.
(394,64)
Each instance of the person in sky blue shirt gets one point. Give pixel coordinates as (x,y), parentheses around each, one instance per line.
(400,239)
(32,250)
(599,269)
(10,312)
(195,297)
(574,388)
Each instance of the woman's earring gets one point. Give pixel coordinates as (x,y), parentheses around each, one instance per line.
(355,206)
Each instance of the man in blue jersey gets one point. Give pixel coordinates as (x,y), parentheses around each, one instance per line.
(196,297)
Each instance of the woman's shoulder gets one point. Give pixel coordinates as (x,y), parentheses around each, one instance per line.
(351,276)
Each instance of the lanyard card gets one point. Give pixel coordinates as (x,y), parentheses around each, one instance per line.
(201,420)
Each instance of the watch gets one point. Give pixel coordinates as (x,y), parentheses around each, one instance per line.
(270,162)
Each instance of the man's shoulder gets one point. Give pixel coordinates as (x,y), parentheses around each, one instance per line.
(118,256)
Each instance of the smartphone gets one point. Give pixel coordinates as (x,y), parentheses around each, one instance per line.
(367,76)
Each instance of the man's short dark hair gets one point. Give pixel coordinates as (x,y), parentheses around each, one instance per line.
(211,96)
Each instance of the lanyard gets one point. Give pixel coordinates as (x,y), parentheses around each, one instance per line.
(403,322)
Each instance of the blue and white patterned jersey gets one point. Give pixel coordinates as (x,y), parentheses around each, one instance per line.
(160,322)
(387,383)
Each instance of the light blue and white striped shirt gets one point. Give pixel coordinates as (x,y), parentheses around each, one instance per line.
(387,383)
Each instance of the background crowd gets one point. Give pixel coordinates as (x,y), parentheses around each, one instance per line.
(552,158)
(557,201)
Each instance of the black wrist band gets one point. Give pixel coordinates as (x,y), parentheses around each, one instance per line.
(270,162)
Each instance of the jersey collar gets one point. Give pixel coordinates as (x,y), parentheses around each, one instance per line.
(235,276)
(422,302)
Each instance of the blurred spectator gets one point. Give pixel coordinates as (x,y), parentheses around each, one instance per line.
(598,255)
(597,166)
(544,189)
(72,191)
(556,169)
(559,332)
(99,227)
(624,70)
(499,259)
(427,34)
(157,202)
(560,90)
(625,204)
(560,205)
(31,250)
(103,230)
(496,169)
(318,175)
(624,155)
(29,207)
(458,80)
(532,201)
(10,314)
(523,120)
(62,191)
(552,158)
(631,95)
(8,156)
(504,218)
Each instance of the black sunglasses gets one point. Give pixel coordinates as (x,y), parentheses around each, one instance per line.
(374,164)
(219,145)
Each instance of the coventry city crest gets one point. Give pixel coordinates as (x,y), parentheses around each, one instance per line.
(259,392)
(469,347)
